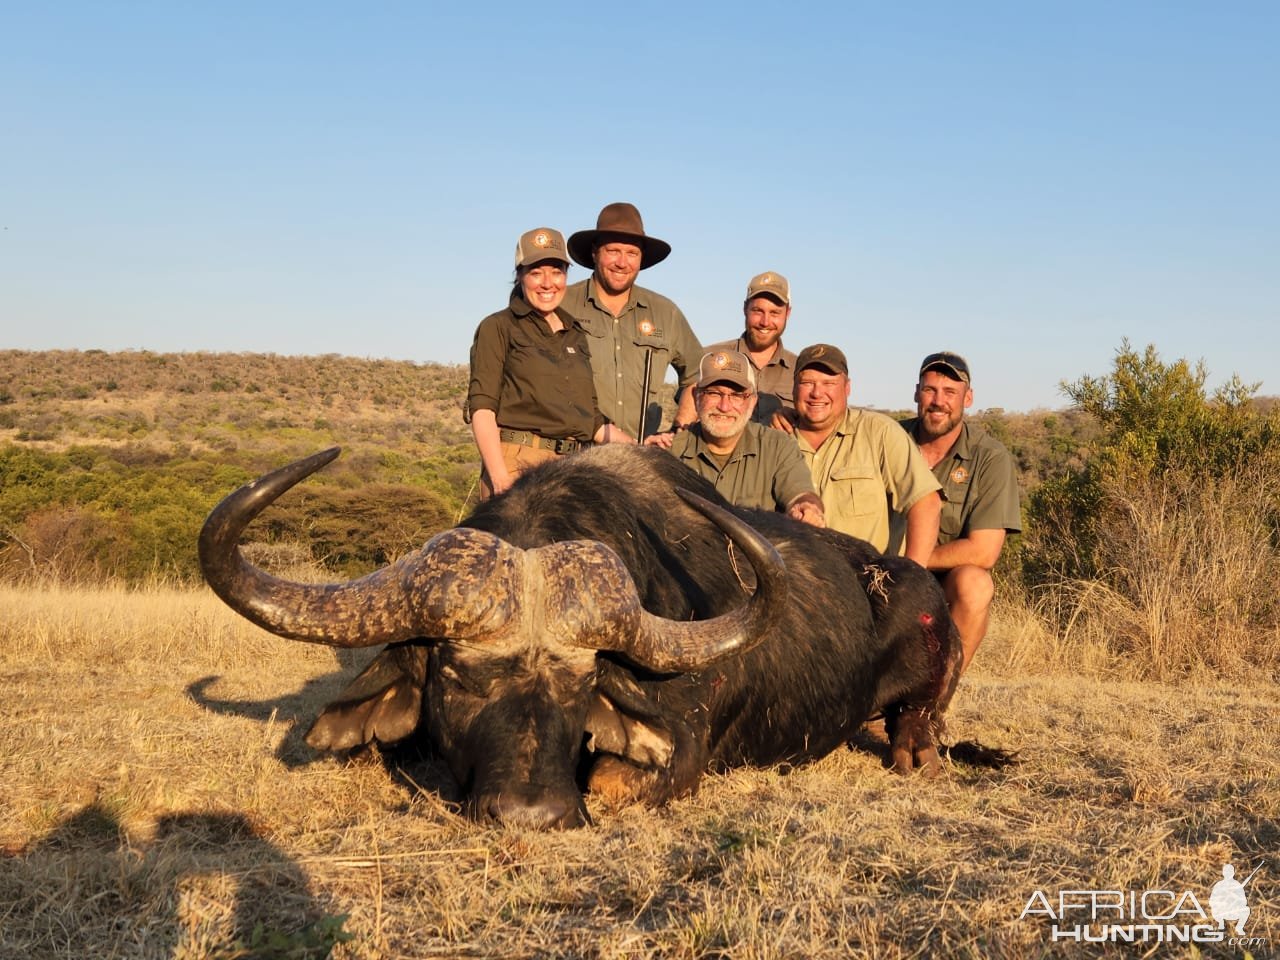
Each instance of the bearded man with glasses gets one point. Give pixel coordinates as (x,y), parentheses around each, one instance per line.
(750,465)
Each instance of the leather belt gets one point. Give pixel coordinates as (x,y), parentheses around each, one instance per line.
(527,439)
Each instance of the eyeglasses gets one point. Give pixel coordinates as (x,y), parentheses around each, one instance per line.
(735,397)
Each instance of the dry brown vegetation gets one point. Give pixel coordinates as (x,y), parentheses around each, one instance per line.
(156,800)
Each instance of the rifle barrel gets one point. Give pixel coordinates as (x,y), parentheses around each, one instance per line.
(644,393)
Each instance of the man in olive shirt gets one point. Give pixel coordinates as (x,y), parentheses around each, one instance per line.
(863,466)
(766,311)
(628,326)
(751,466)
(979,493)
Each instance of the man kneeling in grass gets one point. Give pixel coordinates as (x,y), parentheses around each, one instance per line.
(979,493)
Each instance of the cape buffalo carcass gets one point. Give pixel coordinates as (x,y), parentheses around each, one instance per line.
(611,602)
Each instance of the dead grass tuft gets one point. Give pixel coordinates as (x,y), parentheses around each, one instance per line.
(156,800)
(1185,570)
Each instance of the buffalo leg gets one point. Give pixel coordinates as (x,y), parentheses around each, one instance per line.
(911,741)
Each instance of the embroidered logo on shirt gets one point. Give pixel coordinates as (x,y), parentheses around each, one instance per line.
(959,475)
(646,327)
(570,350)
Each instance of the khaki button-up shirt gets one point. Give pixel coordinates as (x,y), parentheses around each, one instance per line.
(618,345)
(864,470)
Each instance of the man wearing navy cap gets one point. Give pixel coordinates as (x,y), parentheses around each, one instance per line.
(979,493)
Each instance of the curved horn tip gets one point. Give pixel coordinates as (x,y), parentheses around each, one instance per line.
(698,502)
(729,522)
(318,460)
(290,474)
(235,511)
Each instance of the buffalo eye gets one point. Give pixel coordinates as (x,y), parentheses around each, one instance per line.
(475,686)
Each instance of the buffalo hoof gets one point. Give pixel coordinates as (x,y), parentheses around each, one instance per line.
(912,746)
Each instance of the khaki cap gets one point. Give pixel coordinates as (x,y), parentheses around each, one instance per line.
(540,243)
(823,355)
(772,284)
(727,366)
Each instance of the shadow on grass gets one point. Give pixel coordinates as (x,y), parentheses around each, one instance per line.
(410,763)
(88,889)
(297,710)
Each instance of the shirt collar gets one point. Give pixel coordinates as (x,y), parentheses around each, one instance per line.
(748,445)
(961,449)
(781,356)
(636,296)
(521,309)
(849,422)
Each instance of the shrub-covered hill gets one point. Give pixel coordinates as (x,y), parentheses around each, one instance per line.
(110,461)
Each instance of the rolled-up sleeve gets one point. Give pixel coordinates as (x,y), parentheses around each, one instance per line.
(792,477)
(488,356)
(906,475)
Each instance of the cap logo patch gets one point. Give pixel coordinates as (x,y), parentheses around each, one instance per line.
(720,361)
(959,475)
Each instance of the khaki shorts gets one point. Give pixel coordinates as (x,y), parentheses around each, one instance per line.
(518,458)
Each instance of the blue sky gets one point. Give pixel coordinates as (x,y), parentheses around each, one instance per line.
(1025,183)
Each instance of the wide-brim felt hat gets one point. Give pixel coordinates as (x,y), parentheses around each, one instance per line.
(621,222)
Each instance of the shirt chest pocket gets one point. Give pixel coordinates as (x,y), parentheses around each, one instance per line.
(952,519)
(527,352)
(646,332)
(859,486)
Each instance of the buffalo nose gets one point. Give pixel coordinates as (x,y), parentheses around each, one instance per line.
(543,811)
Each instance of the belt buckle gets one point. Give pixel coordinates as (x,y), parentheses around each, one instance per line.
(566,445)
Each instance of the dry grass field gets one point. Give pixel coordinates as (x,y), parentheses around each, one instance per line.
(156,800)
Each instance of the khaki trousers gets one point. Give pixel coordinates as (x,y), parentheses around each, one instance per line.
(518,458)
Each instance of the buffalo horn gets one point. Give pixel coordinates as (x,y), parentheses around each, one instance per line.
(596,604)
(395,603)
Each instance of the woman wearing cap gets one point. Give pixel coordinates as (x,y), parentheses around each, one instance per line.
(532,397)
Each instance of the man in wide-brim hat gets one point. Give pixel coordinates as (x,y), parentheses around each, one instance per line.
(629,327)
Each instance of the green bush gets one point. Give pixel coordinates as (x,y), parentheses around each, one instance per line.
(1163,546)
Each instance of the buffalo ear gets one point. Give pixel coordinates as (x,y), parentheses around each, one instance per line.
(611,730)
(383,703)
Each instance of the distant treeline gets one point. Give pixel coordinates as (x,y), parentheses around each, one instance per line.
(109,462)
